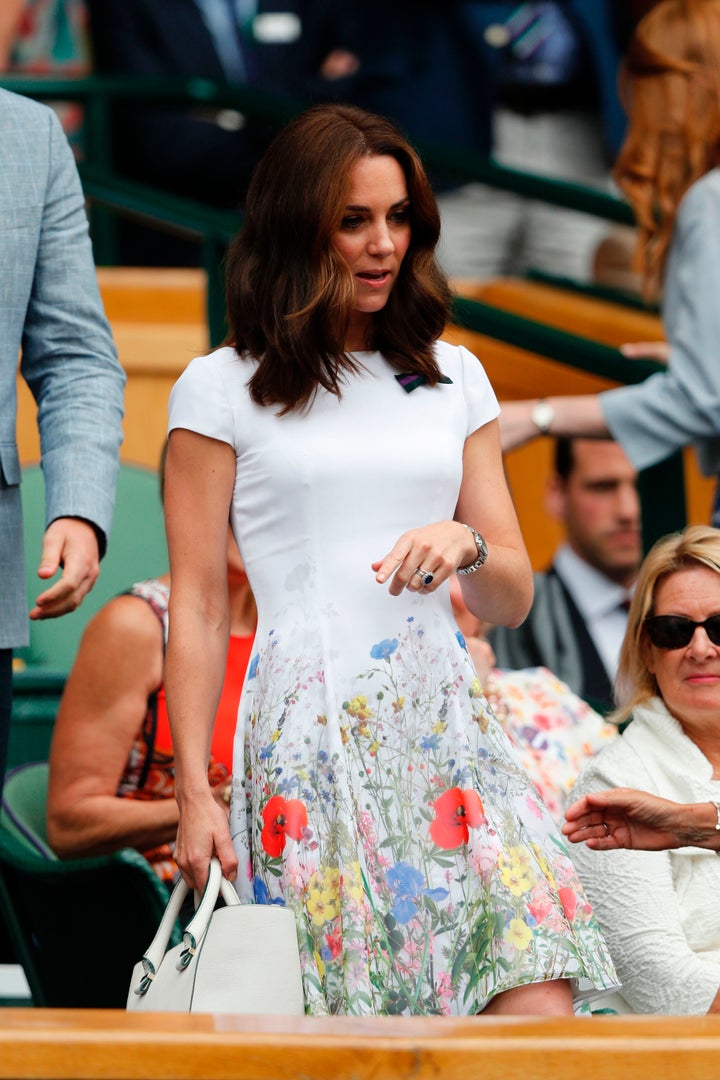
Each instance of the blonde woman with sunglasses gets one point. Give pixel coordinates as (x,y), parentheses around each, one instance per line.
(658,908)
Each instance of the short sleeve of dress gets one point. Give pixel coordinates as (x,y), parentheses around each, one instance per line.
(199,399)
(482,405)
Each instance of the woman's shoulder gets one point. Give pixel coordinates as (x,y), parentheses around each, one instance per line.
(223,362)
(458,363)
(701,202)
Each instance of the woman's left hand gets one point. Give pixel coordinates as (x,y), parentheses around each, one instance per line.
(422,559)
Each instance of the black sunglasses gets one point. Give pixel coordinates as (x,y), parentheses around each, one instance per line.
(676,631)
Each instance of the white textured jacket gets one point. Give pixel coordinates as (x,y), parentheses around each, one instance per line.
(659,911)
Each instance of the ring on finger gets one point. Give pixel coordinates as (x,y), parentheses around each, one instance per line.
(606,827)
(426,577)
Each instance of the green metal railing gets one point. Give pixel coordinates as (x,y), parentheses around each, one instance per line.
(111,194)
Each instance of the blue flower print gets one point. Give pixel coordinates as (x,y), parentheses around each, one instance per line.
(252,670)
(429,742)
(406,882)
(461,640)
(384,649)
(262,894)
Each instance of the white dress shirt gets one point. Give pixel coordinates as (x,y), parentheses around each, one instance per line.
(599,601)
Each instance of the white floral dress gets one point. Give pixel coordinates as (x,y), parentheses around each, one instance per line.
(374,791)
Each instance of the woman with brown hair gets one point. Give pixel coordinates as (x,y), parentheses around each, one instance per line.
(373,790)
(658,909)
(668,169)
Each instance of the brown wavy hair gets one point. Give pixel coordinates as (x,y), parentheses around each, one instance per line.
(697,545)
(670,85)
(290,294)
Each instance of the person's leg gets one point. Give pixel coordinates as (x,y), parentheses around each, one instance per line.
(535,999)
(5,708)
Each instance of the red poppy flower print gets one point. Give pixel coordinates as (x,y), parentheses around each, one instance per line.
(456,813)
(568,899)
(283,818)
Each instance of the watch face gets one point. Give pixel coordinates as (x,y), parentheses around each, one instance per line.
(542,416)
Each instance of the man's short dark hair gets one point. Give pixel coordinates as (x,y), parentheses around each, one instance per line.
(564,456)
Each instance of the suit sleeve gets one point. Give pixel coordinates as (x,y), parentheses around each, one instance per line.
(68,357)
(681,405)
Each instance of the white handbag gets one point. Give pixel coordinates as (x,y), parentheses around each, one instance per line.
(242,958)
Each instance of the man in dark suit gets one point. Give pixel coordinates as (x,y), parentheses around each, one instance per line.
(208,154)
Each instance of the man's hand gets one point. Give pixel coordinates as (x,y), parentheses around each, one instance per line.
(69,543)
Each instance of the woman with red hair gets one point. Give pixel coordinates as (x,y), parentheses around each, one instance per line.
(668,168)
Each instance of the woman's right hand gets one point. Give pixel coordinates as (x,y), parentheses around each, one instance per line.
(626,818)
(646,350)
(203,831)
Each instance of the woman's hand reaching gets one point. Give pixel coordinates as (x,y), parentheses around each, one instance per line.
(422,559)
(626,818)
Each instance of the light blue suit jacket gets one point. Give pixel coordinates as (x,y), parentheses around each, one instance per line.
(50,313)
(681,405)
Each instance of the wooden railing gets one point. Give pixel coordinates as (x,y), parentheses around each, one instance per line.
(90,1045)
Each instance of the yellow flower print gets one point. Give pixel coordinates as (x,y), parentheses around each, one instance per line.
(358,708)
(275,735)
(516,873)
(322,719)
(518,934)
(398,704)
(374,747)
(320,964)
(439,726)
(544,865)
(323,906)
(476,688)
(344,734)
(352,882)
(324,895)
(520,855)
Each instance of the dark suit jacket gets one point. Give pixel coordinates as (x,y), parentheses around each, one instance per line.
(433,72)
(554,636)
(187,151)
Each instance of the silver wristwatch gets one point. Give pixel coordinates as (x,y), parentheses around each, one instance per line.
(482,552)
(542,416)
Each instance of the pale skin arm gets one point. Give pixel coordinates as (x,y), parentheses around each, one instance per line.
(500,591)
(72,544)
(199,480)
(638,820)
(579,415)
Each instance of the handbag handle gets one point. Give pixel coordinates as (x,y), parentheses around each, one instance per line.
(195,929)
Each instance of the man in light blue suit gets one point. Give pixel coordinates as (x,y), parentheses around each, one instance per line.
(51,315)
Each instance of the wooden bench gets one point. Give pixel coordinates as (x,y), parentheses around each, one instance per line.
(112,1045)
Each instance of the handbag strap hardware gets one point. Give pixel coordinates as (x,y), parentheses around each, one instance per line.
(195,929)
(186,956)
(144,985)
